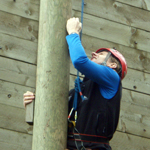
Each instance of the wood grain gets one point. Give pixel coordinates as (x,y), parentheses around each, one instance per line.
(136,59)
(35,1)
(115,32)
(134,115)
(24,74)
(123,24)
(144,4)
(17,26)
(13,118)
(24,8)
(11,140)
(123,141)
(118,12)
(17,72)
(17,48)
(26,51)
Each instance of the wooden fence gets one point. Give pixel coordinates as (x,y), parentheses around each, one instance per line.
(123,24)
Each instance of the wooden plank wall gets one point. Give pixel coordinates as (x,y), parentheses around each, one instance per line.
(123,24)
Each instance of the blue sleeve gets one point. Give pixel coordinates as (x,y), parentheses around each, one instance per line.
(107,79)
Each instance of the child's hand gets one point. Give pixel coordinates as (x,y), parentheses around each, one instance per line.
(28,97)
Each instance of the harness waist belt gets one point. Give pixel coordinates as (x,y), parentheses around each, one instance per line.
(88,138)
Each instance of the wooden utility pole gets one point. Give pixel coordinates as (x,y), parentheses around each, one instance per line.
(52,85)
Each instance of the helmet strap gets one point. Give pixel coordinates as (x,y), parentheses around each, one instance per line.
(105,61)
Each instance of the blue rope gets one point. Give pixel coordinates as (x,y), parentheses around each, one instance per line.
(78,80)
(82,11)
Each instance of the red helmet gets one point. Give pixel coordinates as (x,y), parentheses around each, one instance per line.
(120,57)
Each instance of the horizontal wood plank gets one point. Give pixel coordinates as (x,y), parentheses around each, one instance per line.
(144,4)
(10,140)
(26,51)
(136,98)
(12,94)
(137,81)
(24,74)
(17,72)
(115,32)
(134,115)
(122,141)
(116,12)
(24,8)
(18,48)
(12,111)
(134,121)
(13,118)
(37,2)
(17,26)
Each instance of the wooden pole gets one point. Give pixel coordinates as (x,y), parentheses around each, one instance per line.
(52,85)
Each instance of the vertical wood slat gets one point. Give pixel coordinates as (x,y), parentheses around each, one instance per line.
(30,113)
